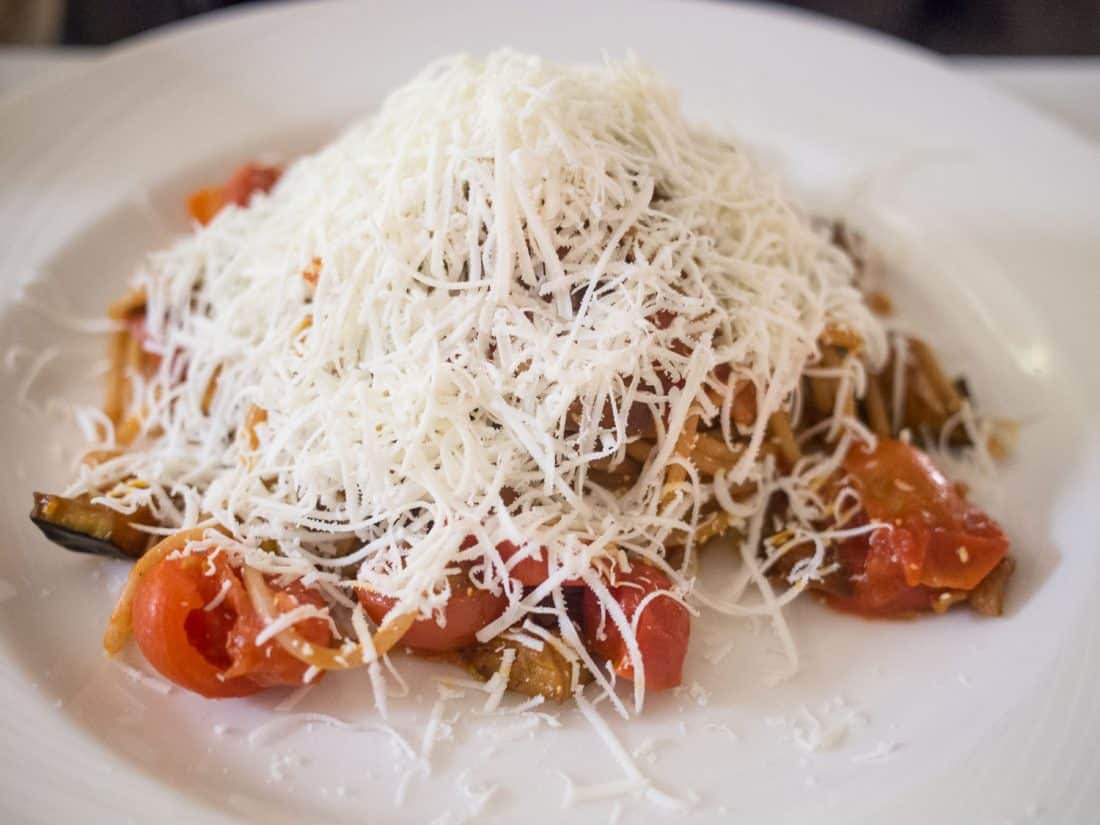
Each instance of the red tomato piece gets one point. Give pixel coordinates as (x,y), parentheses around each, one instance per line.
(664,627)
(530,571)
(249,179)
(937,539)
(468,610)
(203,204)
(212,652)
(879,587)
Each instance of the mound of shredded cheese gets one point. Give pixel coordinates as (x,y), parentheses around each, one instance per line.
(433,327)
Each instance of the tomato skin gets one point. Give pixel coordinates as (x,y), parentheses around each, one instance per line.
(530,571)
(937,540)
(203,204)
(468,610)
(664,627)
(212,652)
(249,179)
(879,587)
(171,593)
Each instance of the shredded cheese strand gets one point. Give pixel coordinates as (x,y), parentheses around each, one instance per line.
(517,261)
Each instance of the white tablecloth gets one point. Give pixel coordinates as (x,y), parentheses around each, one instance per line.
(1067,89)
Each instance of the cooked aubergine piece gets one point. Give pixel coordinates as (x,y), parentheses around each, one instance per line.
(988,598)
(77,524)
(836,582)
(543,672)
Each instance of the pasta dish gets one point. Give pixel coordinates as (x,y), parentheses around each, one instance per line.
(484,377)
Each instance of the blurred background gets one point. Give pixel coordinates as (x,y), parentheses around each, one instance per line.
(978,27)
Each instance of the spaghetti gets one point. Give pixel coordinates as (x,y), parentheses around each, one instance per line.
(505,356)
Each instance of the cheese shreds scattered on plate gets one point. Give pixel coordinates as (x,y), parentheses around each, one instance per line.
(447,322)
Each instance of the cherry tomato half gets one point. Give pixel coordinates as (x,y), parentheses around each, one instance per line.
(469,609)
(664,627)
(212,651)
(937,540)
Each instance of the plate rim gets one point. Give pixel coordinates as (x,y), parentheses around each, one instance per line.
(169,37)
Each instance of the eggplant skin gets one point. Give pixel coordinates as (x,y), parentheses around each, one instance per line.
(78,525)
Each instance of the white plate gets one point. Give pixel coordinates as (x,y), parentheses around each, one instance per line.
(993,212)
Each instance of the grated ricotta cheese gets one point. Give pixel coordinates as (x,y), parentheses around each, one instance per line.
(498,246)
